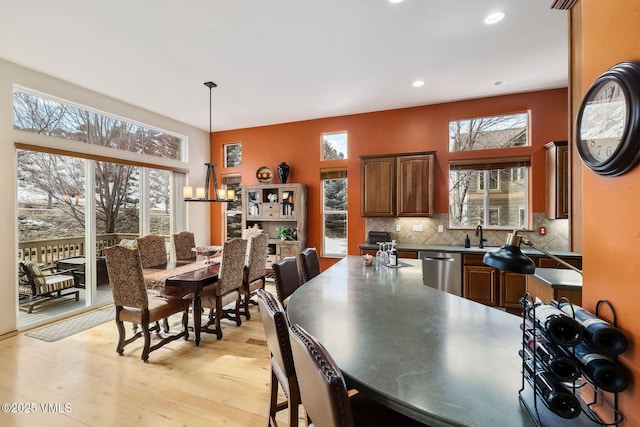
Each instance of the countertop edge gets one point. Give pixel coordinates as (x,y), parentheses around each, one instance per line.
(473,250)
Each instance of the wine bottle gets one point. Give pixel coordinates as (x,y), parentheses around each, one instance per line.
(601,370)
(559,328)
(393,256)
(554,394)
(552,358)
(602,336)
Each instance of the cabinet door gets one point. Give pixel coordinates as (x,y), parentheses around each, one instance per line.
(512,288)
(253,202)
(378,183)
(480,284)
(557,179)
(288,202)
(415,185)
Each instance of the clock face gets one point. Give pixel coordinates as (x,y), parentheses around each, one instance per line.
(608,123)
(603,121)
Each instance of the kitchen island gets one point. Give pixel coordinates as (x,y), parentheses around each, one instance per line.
(438,358)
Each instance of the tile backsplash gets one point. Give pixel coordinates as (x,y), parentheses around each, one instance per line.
(557,236)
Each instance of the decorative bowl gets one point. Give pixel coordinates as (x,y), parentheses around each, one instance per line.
(264,174)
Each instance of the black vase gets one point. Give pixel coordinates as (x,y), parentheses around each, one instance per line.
(283,172)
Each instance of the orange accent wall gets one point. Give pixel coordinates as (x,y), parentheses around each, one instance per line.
(611,230)
(422,128)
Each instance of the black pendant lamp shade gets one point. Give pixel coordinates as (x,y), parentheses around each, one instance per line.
(509,257)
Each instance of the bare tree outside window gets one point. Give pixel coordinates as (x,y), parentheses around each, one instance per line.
(484,133)
(36,114)
(469,198)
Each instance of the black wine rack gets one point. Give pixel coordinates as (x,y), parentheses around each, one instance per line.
(540,413)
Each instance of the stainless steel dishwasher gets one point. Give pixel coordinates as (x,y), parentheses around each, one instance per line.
(442,270)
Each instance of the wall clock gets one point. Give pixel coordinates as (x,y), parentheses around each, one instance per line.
(608,123)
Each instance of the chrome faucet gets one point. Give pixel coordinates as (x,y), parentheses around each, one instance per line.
(479,233)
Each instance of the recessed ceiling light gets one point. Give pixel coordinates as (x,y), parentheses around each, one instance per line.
(418,83)
(395,1)
(494,18)
(500,83)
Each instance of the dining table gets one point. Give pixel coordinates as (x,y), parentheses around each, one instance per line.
(176,279)
(435,357)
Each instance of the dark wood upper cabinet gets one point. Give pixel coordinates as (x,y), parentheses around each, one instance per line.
(377,195)
(415,185)
(557,179)
(397,185)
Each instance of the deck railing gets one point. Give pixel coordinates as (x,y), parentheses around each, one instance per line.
(49,251)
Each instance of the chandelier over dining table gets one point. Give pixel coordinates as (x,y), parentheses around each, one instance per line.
(203,194)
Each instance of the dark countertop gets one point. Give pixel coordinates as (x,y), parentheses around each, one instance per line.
(437,357)
(472,250)
(559,278)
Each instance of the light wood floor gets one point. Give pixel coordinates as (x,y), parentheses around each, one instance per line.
(218,383)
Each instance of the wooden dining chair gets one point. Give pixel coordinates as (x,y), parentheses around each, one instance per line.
(287,279)
(310,264)
(183,244)
(324,393)
(254,272)
(153,250)
(134,305)
(276,328)
(227,289)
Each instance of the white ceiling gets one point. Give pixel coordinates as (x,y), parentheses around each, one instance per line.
(279,61)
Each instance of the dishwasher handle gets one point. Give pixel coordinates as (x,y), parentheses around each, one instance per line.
(432,258)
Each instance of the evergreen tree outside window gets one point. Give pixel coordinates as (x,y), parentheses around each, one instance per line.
(232,155)
(233,210)
(334,211)
(334,146)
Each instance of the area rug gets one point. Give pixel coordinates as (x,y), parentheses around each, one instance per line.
(72,326)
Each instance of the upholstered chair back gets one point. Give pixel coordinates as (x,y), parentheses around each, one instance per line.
(322,387)
(125,277)
(287,278)
(153,250)
(183,243)
(257,258)
(232,267)
(310,264)
(276,328)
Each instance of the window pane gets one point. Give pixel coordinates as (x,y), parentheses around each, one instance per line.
(334,194)
(503,205)
(117,198)
(50,206)
(36,114)
(334,146)
(484,133)
(232,155)
(233,214)
(160,221)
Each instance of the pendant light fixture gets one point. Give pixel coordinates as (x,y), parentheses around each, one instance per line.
(203,193)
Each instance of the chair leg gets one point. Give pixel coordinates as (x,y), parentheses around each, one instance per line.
(166,325)
(238,304)
(218,315)
(121,332)
(245,304)
(185,324)
(147,336)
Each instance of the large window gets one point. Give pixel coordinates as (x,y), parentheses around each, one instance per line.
(503,204)
(489,192)
(334,211)
(48,116)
